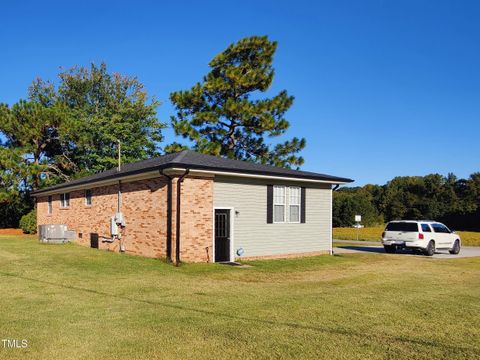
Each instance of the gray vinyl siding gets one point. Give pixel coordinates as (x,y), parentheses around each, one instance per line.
(257,238)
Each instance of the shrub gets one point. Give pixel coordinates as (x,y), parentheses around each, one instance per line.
(28,222)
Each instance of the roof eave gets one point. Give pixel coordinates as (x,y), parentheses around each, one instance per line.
(265,175)
(154,172)
(114,178)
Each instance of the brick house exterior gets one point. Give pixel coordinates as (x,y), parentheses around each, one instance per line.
(146,193)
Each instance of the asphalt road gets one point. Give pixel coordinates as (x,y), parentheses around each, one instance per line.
(373,247)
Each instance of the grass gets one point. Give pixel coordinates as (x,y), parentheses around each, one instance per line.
(72,302)
(469,238)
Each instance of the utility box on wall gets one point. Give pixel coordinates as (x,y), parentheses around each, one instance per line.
(113,226)
(94,240)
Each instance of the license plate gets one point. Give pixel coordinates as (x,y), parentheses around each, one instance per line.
(393,242)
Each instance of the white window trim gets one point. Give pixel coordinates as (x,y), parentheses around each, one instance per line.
(286,205)
(299,204)
(62,200)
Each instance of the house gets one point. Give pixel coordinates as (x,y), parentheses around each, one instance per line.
(192,207)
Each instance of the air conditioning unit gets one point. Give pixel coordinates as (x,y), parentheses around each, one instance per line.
(55,234)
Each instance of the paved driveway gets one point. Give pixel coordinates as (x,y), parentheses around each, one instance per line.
(373,247)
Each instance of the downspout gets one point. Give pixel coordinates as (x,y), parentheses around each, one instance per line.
(119,197)
(169,215)
(331,225)
(121,232)
(177,232)
(119,168)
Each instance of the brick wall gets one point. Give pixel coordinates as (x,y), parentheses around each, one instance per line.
(196,240)
(144,205)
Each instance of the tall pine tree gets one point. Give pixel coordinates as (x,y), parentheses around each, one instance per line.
(224,115)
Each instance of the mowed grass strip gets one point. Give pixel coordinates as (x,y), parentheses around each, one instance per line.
(72,302)
(469,238)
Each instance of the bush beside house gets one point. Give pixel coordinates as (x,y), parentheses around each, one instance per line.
(28,222)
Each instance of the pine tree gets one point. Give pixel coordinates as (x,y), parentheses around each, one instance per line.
(31,132)
(224,115)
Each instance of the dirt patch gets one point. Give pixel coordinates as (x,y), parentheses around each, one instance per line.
(11,232)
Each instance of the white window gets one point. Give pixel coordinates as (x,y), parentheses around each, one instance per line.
(88,197)
(65,200)
(286,204)
(294,204)
(50,208)
(279,206)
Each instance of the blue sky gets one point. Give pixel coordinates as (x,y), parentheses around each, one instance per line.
(382,88)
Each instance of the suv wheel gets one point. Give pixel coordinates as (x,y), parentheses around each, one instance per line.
(455,248)
(430,250)
(390,249)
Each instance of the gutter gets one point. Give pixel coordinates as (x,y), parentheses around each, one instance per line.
(119,196)
(202,170)
(178,211)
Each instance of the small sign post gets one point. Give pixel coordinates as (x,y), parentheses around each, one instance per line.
(358,219)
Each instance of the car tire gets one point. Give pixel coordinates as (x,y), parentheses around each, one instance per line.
(455,248)
(390,249)
(430,250)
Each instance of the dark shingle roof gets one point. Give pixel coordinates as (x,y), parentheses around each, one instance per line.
(193,160)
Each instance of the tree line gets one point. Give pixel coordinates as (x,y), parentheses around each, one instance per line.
(71,127)
(448,199)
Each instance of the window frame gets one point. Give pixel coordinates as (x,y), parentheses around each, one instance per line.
(423,226)
(403,226)
(443,228)
(88,197)
(64,200)
(284,204)
(49,204)
(298,205)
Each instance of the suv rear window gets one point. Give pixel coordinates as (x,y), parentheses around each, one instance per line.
(400,226)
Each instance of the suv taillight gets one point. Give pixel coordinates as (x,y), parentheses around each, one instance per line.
(420,236)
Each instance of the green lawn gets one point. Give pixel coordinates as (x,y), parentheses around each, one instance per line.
(72,302)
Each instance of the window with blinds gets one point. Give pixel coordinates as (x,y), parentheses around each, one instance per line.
(286,204)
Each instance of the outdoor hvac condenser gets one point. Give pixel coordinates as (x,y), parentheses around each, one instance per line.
(55,233)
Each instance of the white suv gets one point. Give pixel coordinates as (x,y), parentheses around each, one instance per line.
(423,235)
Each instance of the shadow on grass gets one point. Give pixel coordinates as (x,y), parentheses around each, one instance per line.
(369,249)
(381,250)
(382,338)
